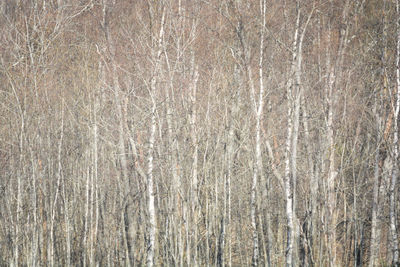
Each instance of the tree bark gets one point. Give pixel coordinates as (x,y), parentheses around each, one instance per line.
(394,178)
(290,156)
(152,224)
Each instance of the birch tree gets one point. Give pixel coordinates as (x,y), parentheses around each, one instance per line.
(393,182)
(152,224)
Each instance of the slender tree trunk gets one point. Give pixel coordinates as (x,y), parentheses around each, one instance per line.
(86,224)
(94,181)
(393,182)
(195,183)
(150,184)
(34,242)
(293,159)
(19,192)
(290,147)
(152,224)
(289,191)
(67,222)
(375,220)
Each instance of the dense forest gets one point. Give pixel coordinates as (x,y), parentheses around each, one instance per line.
(199,132)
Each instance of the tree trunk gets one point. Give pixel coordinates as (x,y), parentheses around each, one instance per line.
(393,182)
(152,224)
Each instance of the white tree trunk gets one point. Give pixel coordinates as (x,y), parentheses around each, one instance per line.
(195,192)
(150,194)
(289,155)
(395,172)
(152,224)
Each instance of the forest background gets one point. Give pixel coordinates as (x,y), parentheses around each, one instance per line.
(199,133)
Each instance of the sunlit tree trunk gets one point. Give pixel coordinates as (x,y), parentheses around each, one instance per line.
(34,244)
(152,223)
(394,178)
(290,146)
(150,185)
(194,182)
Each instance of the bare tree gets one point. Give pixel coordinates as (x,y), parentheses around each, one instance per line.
(393,182)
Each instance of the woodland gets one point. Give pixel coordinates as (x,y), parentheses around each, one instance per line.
(199,132)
